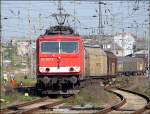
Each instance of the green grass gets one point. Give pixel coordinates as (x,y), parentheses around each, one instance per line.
(27,98)
(122,81)
(8,99)
(147,92)
(27,82)
(16,97)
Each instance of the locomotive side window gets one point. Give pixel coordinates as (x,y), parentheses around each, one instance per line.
(68,47)
(50,47)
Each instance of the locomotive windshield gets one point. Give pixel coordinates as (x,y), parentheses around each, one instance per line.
(59,47)
(68,47)
(50,47)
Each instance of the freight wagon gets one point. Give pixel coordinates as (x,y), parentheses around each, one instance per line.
(95,62)
(111,64)
(99,63)
(130,66)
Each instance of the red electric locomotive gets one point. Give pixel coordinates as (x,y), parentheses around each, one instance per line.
(59,60)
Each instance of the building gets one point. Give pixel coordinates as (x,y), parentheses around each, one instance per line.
(122,44)
(126,41)
(23,48)
(141,44)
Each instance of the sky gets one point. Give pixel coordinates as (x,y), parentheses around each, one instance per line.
(29,19)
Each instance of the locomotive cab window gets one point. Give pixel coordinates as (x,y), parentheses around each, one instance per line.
(50,47)
(59,47)
(68,47)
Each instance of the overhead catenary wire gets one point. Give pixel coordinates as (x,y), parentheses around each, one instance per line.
(82,17)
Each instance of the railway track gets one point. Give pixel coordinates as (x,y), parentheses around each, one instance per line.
(130,103)
(81,110)
(135,103)
(29,107)
(40,105)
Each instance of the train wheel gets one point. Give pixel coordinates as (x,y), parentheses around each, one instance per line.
(66,96)
(53,96)
(38,90)
(78,85)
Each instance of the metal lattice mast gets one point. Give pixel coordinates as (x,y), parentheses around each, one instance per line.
(30,46)
(100,26)
(1,53)
(149,45)
(74,12)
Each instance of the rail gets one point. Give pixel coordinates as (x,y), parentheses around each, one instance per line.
(113,107)
(15,109)
(19,109)
(143,109)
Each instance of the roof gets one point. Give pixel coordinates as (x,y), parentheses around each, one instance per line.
(126,58)
(59,37)
(141,52)
(141,44)
(95,51)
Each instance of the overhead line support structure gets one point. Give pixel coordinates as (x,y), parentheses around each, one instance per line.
(149,44)
(1,54)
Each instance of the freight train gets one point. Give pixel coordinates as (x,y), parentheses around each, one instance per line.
(63,62)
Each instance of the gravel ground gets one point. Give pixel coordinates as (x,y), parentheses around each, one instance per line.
(94,95)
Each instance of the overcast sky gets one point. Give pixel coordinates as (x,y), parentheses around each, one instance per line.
(117,16)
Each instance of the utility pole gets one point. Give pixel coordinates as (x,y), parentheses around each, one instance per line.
(60,7)
(1,51)
(30,46)
(100,22)
(100,26)
(40,27)
(74,11)
(149,45)
(112,31)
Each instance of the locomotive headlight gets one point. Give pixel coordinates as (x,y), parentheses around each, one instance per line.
(74,69)
(41,69)
(71,69)
(47,69)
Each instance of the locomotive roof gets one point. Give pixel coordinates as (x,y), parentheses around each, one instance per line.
(63,30)
(69,37)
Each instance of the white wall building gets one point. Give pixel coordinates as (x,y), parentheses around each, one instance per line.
(22,48)
(126,41)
